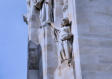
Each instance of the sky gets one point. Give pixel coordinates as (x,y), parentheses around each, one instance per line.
(13,40)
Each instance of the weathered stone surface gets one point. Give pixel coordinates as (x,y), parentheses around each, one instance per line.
(34,61)
(58,11)
(34,56)
(33,74)
(64,72)
(51,55)
(95,38)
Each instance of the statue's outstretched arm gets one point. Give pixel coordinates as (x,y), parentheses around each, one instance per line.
(54,27)
(50,24)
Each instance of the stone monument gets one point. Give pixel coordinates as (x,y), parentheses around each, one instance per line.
(53,42)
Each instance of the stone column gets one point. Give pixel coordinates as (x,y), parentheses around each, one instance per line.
(45,39)
(34,49)
(77,67)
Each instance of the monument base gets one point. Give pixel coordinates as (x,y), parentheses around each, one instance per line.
(64,71)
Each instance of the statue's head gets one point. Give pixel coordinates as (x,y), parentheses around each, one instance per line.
(65,22)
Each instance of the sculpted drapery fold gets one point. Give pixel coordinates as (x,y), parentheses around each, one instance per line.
(46,10)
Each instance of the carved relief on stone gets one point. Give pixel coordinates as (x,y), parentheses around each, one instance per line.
(46,10)
(64,40)
(62,35)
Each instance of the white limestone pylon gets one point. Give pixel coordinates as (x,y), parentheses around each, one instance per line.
(72,10)
(43,41)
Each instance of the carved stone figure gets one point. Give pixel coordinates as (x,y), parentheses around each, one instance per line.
(64,39)
(45,7)
(42,57)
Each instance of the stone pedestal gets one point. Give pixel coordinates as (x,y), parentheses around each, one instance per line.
(64,71)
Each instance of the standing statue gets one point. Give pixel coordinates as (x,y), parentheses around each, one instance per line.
(46,10)
(44,6)
(64,40)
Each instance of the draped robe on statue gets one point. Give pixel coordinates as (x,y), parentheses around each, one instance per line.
(63,39)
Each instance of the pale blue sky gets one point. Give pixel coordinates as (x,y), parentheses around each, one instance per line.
(13,40)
